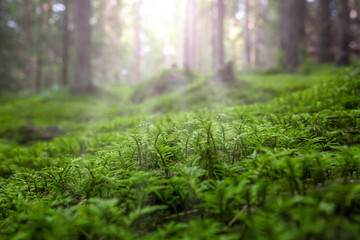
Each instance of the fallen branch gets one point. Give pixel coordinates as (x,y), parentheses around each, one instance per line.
(352,132)
(237,216)
(338,117)
(182,214)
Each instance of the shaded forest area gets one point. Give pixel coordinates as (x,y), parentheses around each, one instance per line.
(190,119)
(79,44)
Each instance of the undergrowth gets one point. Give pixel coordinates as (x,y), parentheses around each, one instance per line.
(285,167)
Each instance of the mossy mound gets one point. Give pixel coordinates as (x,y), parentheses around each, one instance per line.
(165,82)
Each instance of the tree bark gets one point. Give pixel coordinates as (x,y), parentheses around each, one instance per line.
(343,53)
(83,83)
(324,24)
(65,53)
(292,33)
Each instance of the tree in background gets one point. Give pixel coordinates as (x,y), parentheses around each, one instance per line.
(9,55)
(39,46)
(83,78)
(292,32)
(247,39)
(217,10)
(65,53)
(220,32)
(137,28)
(324,28)
(190,36)
(342,54)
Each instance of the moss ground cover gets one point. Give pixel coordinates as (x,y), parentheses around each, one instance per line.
(273,157)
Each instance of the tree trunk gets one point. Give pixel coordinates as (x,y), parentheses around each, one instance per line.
(220,31)
(65,53)
(137,63)
(40,49)
(292,33)
(182,35)
(83,83)
(247,43)
(48,78)
(324,24)
(343,54)
(191,36)
(28,30)
(214,34)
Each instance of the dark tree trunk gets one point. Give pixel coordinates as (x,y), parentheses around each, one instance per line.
(343,54)
(48,78)
(324,24)
(292,36)
(28,29)
(40,50)
(65,53)
(83,83)
(137,63)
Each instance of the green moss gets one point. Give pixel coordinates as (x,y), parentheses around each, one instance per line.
(204,166)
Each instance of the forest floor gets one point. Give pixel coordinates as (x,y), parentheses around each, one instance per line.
(272,156)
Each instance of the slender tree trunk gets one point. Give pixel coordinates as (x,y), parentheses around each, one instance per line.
(65,53)
(182,36)
(48,78)
(137,20)
(40,49)
(220,26)
(343,54)
(28,23)
(292,36)
(260,45)
(324,24)
(191,36)
(83,83)
(214,34)
(247,43)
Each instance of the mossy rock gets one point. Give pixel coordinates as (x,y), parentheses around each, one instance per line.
(29,133)
(165,82)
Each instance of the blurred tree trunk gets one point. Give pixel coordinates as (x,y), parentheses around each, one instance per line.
(247,43)
(342,55)
(220,31)
(48,49)
(41,45)
(83,83)
(214,35)
(65,53)
(190,61)
(324,24)
(292,33)
(182,35)
(28,28)
(262,42)
(137,20)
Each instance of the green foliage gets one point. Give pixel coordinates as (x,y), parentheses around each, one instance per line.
(285,168)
